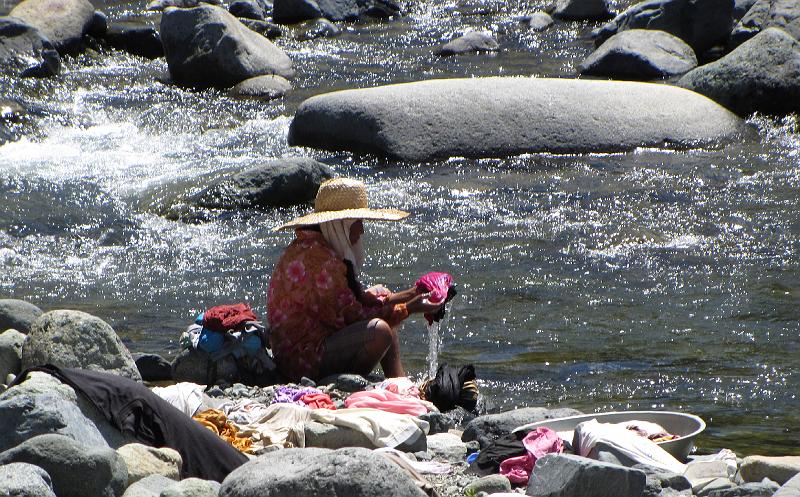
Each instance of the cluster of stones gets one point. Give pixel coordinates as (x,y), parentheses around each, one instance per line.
(55,443)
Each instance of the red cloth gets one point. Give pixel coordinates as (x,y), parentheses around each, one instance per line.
(228,317)
(437,284)
(318,401)
(537,443)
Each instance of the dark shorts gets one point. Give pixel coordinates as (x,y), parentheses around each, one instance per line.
(344,346)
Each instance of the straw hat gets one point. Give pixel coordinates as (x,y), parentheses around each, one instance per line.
(342,198)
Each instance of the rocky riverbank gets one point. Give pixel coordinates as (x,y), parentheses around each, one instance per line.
(56,443)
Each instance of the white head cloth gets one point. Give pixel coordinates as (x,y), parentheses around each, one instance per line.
(337,234)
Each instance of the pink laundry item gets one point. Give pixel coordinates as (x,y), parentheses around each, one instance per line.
(537,443)
(437,284)
(318,401)
(402,385)
(385,400)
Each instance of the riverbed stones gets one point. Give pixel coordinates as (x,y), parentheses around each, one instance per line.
(156,5)
(24,49)
(63,22)
(294,11)
(763,74)
(153,367)
(789,489)
(264,28)
(318,28)
(567,475)
(447,446)
(313,472)
(474,41)
(640,54)
(10,353)
(143,461)
(21,479)
(495,117)
(76,470)
(135,38)
(700,23)
(346,382)
(582,10)
(192,487)
(75,339)
(780,469)
(279,182)
(328,436)
(490,484)
(149,486)
(485,429)
(17,314)
(207,47)
(539,21)
(262,87)
(250,9)
(763,14)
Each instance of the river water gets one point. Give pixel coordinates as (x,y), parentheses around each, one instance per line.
(654,279)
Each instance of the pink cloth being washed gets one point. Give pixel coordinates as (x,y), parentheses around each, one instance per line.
(401,385)
(437,284)
(537,443)
(386,401)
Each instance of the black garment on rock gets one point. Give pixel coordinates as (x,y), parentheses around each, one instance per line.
(452,387)
(489,459)
(133,409)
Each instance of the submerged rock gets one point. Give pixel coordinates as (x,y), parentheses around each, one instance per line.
(700,23)
(63,22)
(318,28)
(76,470)
(313,472)
(763,14)
(494,117)
(262,87)
(640,54)
(135,38)
(539,21)
(582,10)
(24,49)
(474,41)
(279,182)
(207,47)
(293,11)
(16,314)
(75,339)
(763,74)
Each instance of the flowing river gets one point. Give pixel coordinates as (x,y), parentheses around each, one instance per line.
(655,279)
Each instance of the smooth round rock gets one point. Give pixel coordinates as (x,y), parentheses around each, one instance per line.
(779,469)
(474,41)
(192,487)
(640,54)
(496,117)
(539,21)
(21,479)
(62,22)
(143,461)
(75,339)
(17,314)
(262,87)
(490,484)
(136,39)
(10,353)
(763,14)
(582,10)
(485,429)
(149,486)
(294,11)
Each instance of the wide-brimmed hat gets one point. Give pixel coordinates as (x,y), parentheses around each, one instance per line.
(342,198)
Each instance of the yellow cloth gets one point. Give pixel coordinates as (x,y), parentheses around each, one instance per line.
(216,421)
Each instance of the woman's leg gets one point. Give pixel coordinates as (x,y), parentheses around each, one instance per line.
(359,347)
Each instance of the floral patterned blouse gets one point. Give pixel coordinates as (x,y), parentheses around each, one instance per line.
(309,300)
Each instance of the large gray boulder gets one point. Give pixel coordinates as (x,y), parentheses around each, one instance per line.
(567,475)
(582,10)
(763,74)
(207,47)
(135,38)
(700,23)
(294,11)
(192,487)
(42,404)
(63,22)
(77,470)
(143,461)
(784,14)
(75,339)
(279,182)
(315,472)
(354,10)
(149,486)
(17,314)
(474,41)
(640,54)
(789,489)
(485,429)
(10,353)
(23,49)
(21,479)
(493,117)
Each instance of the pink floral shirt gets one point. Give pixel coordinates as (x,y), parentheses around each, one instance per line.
(309,300)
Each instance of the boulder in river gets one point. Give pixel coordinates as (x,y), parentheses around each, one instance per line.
(582,10)
(763,14)
(539,21)
(17,314)
(181,4)
(63,22)
(496,117)
(279,182)
(317,28)
(23,48)
(76,469)
(250,9)
(474,41)
(763,74)
(135,38)
(207,47)
(20,479)
(313,472)
(640,54)
(700,23)
(293,11)
(262,87)
(263,28)
(76,339)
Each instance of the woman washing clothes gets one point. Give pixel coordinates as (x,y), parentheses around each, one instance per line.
(322,321)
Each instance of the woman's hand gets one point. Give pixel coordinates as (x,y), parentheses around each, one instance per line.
(420,304)
(404,296)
